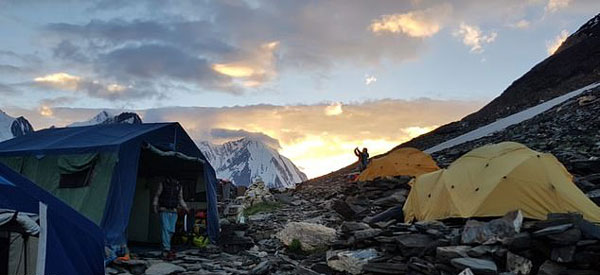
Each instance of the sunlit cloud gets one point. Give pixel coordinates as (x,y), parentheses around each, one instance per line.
(370,79)
(334,109)
(555,5)
(59,80)
(553,45)
(418,23)
(94,88)
(46,111)
(254,71)
(416,131)
(233,70)
(473,37)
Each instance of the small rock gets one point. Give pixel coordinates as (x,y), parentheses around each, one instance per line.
(446,253)
(413,244)
(478,266)
(367,233)
(164,269)
(568,237)
(261,268)
(350,261)
(353,226)
(550,268)
(517,264)
(395,213)
(492,231)
(563,254)
(385,268)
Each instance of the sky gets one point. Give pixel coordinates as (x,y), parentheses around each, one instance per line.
(313,78)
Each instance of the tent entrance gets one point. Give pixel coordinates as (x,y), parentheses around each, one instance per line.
(18,247)
(154,166)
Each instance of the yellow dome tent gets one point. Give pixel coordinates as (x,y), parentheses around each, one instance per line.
(495,179)
(400,162)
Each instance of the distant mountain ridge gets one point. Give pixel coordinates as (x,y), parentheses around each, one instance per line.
(109,117)
(243,160)
(11,127)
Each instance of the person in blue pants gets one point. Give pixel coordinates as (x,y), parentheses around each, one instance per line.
(168,197)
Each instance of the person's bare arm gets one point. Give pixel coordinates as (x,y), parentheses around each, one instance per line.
(182,201)
(156,196)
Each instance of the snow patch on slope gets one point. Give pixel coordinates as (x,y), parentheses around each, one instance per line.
(501,124)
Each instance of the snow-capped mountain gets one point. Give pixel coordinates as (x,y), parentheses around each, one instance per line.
(109,117)
(11,127)
(243,160)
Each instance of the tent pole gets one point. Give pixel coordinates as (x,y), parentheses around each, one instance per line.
(25,241)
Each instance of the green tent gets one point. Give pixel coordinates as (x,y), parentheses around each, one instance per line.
(110,172)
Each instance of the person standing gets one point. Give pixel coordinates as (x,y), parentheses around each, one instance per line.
(168,197)
(363,158)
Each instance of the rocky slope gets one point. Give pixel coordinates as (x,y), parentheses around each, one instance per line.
(575,64)
(11,127)
(243,160)
(109,117)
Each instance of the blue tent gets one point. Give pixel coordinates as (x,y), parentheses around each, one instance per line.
(95,169)
(68,242)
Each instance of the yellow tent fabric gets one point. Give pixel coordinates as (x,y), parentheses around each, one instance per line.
(400,162)
(495,179)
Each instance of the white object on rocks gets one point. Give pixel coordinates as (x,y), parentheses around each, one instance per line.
(478,266)
(310,235)
(493,231)
(467,271)
(257,192)
(350,261)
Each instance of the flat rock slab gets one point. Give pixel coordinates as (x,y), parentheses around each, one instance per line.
(552,230)
(354,226)
(478,266)
(385,268)
(164,269)
(446,253)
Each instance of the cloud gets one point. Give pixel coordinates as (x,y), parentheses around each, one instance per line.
(256,69)
(6,89)
(555,5)
(370,79)
(59,80)
(9,69)
(158,62)
(419,23)
(521,24)
(220,135)
(473,37)
(553,45)
(334,109)
(94,88)
(46,111)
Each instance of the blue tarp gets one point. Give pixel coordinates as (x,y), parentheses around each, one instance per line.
(73,244)
(127,140)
